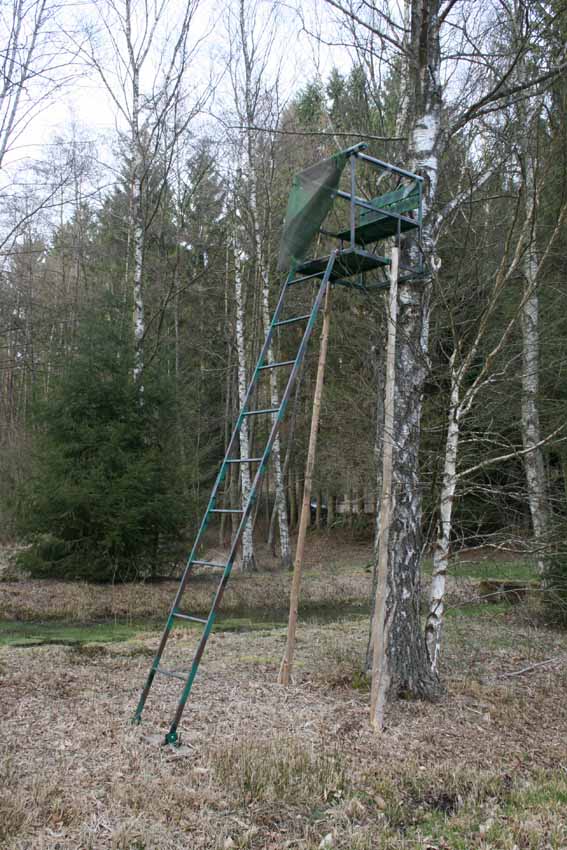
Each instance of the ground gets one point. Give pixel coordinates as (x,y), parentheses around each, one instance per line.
(263,767)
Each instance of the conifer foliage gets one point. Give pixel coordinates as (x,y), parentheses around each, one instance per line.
(102,503)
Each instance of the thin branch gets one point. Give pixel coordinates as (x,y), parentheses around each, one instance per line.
(354,133)
(354,17)
(498,93)
(514,454)
(531,667)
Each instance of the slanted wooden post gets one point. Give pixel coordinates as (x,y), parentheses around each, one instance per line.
(287,661)
(380,672)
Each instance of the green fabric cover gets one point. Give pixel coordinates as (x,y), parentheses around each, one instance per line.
(310,199)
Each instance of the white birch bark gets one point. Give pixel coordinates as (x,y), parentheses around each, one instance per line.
(248,562)
(254,57)
(407,662)
(531,431)
(434,623)
(136,224)
(138,231)
(139,42)
(281,506)
(460,404)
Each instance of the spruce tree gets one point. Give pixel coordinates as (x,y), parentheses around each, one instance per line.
(103,500)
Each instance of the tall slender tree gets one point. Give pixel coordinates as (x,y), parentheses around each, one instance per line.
(154,109)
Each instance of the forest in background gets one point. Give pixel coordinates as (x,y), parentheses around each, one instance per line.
(134,299)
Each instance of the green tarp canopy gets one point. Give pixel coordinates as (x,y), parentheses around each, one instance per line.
(310,199)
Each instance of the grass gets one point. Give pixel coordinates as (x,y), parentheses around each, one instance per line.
(36,634)
(486,568)
(14,633)
(267,768)
(493,569)
(493,810)
(479,610)
(283,771)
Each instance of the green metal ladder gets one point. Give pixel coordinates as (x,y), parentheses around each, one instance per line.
(324,275)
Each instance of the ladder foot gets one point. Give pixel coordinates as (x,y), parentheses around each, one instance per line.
(172,739)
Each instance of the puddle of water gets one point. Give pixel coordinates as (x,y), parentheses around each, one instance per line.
(19,633)
(316,613)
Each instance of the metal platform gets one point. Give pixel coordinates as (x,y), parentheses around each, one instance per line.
(381,227)
(347,263)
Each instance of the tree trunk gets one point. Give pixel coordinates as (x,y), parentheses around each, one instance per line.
(136,229)
(248,561)
(407,661)
(408,666)
(287,661)
(280,500)
(379,380)
(531,431)
(434,624)
(380,621)
(138,295)
(330,509)
(292,498)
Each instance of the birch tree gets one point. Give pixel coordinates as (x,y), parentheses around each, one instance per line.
(252,33)
(520,256)
(248,560)
(144,76)
(431,116)
(467,391)
(252,42)
(531,428)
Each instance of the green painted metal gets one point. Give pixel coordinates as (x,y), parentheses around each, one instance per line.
(336,267)
(324,278)
(349,262)
(384,215)
(404,199)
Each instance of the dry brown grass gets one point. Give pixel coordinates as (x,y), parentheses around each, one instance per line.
(268,768)
(87,603)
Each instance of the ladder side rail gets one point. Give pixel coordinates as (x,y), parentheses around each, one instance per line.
(171,736)
(210,506)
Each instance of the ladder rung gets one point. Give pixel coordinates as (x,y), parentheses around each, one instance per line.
(292,320)
(170,673)
(258,412)
(243,460)
(180,616)
(277,365)
(304,278)
(225,511)
(208,564)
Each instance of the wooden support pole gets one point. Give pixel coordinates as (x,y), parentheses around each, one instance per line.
(380,625)
(287,661)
